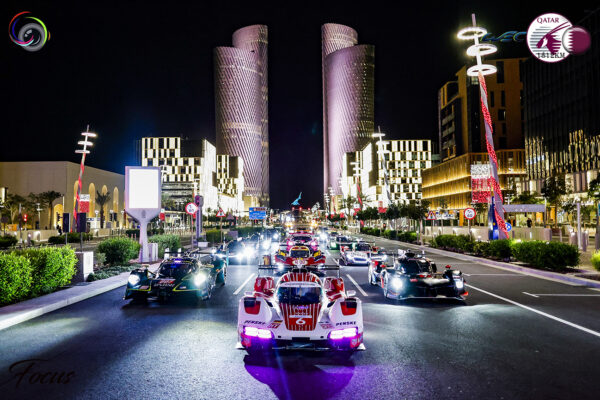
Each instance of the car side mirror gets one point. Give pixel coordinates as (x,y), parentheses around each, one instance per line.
(350,293)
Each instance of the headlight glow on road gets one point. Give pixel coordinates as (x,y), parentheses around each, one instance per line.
(248,252)
(199,279)
(266,244)
(133,280)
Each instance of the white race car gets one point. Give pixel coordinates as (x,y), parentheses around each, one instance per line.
(301,311)
(362,254)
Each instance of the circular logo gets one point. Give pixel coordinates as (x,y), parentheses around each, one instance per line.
(577,40)
(191,208)
(470,213)
(545,37)
(28,32)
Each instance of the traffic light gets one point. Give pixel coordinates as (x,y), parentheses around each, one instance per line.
(24,217)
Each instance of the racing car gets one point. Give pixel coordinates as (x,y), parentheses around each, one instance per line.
(285,259)
(238,251)
(299,239)
(415,276)
(176,276)
(337,242)
(362,254)
(300,312)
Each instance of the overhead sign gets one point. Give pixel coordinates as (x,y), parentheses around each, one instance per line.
(470,213)
(258,212)
(191,208)
(220,213)
(84,203)
(431,216)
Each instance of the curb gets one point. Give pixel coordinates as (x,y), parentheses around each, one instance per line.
(548,275)
(24,311)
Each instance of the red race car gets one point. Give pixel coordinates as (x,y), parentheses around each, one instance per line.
(285,259)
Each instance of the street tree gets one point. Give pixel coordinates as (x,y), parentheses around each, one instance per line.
(47,200)
(555,187)
(102,200)
(594,194)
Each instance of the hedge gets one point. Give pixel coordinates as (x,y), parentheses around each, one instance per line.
(7,241)
(538,254)
(72,237)
(596,260)
(15,278)
(213,235)
(119,250)
(244,231)
(151,232)
(51,268)
(170,242)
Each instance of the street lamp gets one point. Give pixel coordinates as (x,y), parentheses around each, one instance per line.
(381,154)
(84,151)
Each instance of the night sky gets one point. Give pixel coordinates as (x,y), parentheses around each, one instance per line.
(133,69)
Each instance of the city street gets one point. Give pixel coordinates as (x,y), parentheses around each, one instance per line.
(517,336)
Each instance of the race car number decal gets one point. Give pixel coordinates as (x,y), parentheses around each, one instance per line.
(166,282)
(274,324)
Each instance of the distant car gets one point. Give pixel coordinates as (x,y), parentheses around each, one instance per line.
(238,252)
(285,259)
(414,276)
(176,276)
(337,242)
(361,254)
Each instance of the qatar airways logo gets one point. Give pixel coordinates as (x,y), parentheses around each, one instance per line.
(551,38)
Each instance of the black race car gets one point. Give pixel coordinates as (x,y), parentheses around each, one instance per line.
(237,252)
(177,276)
(414,276)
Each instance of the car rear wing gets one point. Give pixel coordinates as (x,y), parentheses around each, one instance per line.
(310,268)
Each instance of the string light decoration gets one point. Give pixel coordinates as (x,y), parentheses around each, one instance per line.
(479,70)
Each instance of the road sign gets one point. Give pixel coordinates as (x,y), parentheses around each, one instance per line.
(220,213)
(508,227)
(470,213)
(191,208)
(431,216)
(258,212)
(230,217)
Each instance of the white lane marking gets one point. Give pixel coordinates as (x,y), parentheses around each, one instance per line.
(357,286)
(243,284)
(562,321)
(327,252)
(516,275)
(563,294)
(529,294)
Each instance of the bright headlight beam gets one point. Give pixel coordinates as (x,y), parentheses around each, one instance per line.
(133,280)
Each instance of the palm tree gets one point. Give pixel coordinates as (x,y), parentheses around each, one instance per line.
(102,200)
(46,199)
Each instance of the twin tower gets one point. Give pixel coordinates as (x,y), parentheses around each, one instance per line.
(242,102)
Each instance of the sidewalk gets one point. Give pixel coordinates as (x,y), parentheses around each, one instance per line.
(571,279)
(20,312)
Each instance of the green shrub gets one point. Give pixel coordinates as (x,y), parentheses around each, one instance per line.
(171,242)
(376,232)
(499,249)
(409,237)
(51,268)
(100,258)
(481,248)
(213,235)
(151,232)
(110,271)
(452,242)
(72,237)
(7,241)
(119,250)
(539,254)
(15,278)
(596,260)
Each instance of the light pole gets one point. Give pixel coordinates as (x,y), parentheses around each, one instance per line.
(84,151)
(39,210)
(478,50)
(381,154)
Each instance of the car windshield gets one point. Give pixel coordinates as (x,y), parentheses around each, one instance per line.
(363,247)
(342,239)
(302,238)
(175,270)
(414,266)
(299,295)
(299,254)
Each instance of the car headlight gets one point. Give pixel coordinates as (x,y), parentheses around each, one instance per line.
(460,284)
(266,244)
(133,280)
(323,236)
(397,283)
(280,266)
(384,257)
(276,236)
(199,279)
(248,252)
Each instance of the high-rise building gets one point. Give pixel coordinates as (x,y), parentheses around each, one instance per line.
(241,106)
(404,161)
(348,72)
(562,115)
(461,128)
(230,182)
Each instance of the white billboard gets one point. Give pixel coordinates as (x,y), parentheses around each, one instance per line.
(143,188)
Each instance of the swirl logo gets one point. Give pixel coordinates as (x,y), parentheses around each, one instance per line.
(28,32)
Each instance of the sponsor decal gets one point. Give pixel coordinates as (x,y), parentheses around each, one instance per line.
(254,322)
(551,38)
(274,324)
(166,282)
(345,323)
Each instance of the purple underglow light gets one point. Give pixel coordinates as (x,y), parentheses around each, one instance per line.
(343,333)
(257,332)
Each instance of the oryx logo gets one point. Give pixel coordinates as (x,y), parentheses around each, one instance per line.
(28,32)
(551,38)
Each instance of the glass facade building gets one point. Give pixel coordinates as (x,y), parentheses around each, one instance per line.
(348,98)
(241,106)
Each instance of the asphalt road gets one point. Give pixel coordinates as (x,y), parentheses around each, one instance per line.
(517,337)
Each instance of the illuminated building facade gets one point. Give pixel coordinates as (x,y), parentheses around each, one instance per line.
(562,115)
(230,182)
(460,124)
(451,180)
(405,161)
(348,98)
(241,106)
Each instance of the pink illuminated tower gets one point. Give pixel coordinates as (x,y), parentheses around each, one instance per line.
(348,98)
(241,105)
